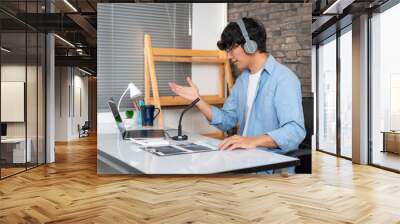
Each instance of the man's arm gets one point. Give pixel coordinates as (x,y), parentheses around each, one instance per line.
(204,108)
(243,142)
(223,119)
(191,93)
(291,121)
(289,110)
(265,141)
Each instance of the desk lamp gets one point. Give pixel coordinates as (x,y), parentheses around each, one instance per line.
(134,92)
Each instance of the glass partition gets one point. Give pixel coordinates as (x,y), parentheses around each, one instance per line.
(13,92)
(346,93)
(385,89)
(327,95)
(22,88)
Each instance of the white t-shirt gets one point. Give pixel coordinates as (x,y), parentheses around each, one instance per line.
(251,93)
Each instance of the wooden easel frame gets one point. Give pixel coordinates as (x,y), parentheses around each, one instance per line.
(152,55)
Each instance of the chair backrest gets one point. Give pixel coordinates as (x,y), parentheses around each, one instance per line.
(86,125)
(308,110)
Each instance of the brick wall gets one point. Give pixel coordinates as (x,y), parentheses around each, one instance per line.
(288,27)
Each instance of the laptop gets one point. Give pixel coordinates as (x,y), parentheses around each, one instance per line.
(3,131)
(127,134)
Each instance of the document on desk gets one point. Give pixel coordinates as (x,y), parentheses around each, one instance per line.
(178,149)
(150,142)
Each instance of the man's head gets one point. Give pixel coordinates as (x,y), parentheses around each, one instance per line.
(232,41)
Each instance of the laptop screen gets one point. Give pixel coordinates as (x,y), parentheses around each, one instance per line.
(116,115)
(3,129)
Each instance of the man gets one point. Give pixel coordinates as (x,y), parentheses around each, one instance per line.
(265,100)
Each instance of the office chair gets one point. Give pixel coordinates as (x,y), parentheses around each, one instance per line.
(84,130)
(304,151)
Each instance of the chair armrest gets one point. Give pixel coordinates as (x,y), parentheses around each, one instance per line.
(305,160)
(299,152)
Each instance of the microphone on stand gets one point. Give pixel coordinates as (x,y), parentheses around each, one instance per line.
(181,137)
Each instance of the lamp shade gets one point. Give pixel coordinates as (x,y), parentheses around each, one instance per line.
(134,92)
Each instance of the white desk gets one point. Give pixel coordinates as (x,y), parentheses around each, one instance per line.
(18,144)
(126,157)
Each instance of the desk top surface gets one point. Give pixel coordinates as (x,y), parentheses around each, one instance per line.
(391,132)
(129,153)
(13,140)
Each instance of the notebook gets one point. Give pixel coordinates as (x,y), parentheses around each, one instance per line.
(170,150)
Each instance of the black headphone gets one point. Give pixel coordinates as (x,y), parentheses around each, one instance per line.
(250,46)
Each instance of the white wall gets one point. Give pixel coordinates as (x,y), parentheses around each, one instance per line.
(209,20)
(61,103)
(16,73)
(13,72)
(12,93)
(67,116)
(80,82)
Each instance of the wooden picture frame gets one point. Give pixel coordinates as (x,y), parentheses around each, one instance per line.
(153,55)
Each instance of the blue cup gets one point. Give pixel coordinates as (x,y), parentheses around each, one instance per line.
(148,114)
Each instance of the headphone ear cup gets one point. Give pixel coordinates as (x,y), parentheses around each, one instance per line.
(250,47)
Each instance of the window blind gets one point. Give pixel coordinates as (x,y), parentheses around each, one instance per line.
(120,41)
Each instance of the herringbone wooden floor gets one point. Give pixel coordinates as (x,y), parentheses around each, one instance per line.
(70,191)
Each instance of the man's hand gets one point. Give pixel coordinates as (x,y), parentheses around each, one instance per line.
(238,142)
(190,92)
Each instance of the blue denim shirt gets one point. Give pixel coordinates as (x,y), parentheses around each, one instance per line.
(277,108)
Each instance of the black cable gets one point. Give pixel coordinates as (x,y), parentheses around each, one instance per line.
(181,137)
(167,130)
(183,112)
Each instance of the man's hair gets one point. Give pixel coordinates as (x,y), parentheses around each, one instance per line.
(232,35)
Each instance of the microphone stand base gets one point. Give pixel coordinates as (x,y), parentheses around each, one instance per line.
(180,138)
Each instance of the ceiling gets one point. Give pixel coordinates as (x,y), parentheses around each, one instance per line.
(330,15)
(76,22)
(72,20)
